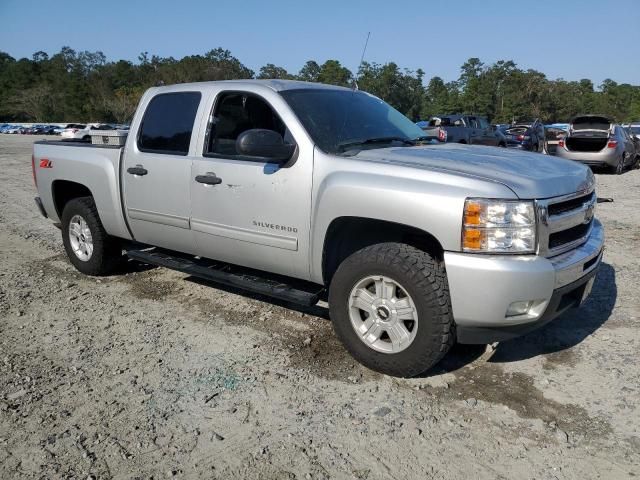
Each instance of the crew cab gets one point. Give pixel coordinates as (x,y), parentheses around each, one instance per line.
(309,192)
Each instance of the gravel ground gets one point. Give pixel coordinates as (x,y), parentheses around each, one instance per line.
(155,374)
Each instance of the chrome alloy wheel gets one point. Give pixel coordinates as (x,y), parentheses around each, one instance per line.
(80,238)
(383,314)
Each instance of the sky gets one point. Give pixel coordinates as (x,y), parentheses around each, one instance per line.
(570,39)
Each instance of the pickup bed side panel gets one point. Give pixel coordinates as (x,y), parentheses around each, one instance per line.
(94,167)
(430,200)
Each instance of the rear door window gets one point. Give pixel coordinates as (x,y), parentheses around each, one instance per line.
(167,124)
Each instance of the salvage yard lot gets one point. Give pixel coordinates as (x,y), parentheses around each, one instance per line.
(152,373)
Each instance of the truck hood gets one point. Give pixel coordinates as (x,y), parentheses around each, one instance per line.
(528,175)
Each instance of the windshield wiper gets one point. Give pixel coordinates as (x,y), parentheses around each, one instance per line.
(371,141)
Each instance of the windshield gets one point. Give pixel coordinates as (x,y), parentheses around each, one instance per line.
(635,130)
(340,119)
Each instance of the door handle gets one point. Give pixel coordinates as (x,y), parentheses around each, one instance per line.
(137,170)
(209,179)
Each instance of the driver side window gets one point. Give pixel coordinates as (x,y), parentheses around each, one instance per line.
(235,113)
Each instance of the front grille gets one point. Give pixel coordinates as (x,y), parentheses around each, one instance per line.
(568,205)
(570,235)
(565,222)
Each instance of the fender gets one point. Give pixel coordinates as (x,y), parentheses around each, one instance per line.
(429,200)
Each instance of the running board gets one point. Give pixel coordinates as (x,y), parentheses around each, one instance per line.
(298,291)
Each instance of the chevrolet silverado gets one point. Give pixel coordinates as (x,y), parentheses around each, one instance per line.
(308,192)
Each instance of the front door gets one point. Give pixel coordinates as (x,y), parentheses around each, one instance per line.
(157,172)
(246,210)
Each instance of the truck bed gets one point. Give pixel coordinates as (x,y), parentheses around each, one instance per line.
(96,167)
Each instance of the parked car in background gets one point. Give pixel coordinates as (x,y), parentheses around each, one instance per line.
(11,129)
(44,130)
(57,129)
(74,130)
(14,129)
(634,130)
(83,132)
(433,133)
(527,135)
(471,129)
(553,135)
(598,142)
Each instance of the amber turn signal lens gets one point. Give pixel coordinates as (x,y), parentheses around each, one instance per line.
(472,213)
(472,239)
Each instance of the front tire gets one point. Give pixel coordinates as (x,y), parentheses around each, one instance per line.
(89,248)
(390,307)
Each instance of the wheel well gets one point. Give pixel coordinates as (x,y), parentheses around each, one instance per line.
(347,235)
(64,191)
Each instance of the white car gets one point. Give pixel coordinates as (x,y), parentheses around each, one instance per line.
(14,129)
(75,130)
(83,132)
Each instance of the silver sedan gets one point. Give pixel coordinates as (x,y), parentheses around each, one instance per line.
(596,141)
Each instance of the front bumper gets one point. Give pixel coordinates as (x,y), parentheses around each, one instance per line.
(482,287)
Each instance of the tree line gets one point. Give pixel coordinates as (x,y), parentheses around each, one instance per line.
(84,86)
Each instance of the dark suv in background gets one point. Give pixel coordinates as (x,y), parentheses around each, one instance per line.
(526,135)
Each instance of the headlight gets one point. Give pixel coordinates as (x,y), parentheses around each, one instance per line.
(498,226)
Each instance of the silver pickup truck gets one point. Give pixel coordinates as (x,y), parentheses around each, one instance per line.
(308,192)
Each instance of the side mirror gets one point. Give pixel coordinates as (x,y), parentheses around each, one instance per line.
(265,144)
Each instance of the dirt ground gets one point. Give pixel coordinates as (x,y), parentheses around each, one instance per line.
(152,374)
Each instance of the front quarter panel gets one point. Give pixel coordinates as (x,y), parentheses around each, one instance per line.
(428,199)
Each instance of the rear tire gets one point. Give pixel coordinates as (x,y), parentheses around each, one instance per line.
(89,248)
(414,287)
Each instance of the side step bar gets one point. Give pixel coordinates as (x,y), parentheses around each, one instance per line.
(299,292)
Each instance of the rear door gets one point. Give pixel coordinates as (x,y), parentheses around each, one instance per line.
(156,174)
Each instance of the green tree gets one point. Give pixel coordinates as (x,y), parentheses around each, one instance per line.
(272,71)
(310,72)
(334,73)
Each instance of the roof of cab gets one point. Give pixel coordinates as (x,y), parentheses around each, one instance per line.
(275,85)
